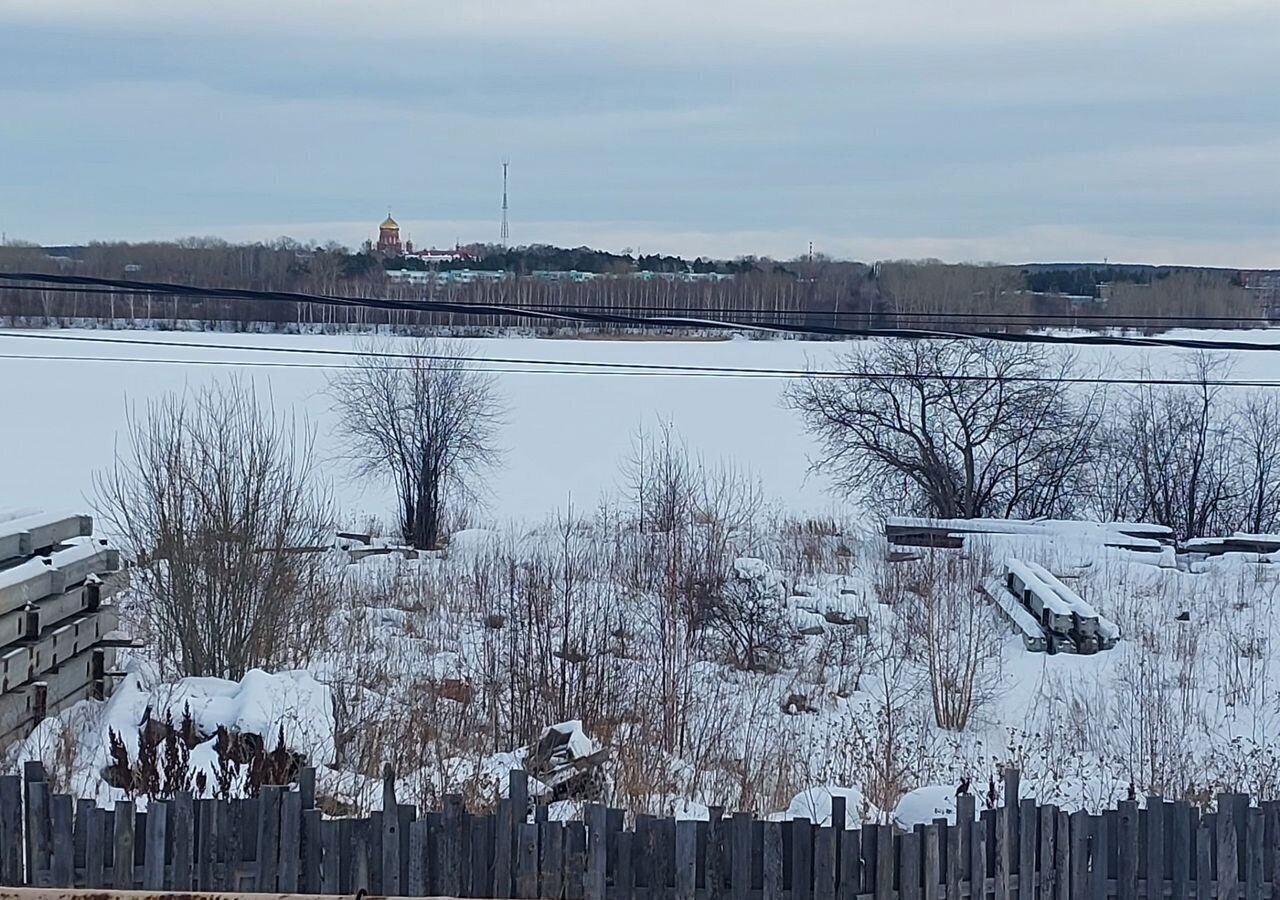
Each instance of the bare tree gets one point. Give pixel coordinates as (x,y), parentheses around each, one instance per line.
(955,429)
(426,419)
(1179,439)
(1258,439)
(213,498)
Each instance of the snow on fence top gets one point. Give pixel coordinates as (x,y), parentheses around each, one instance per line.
(57,643)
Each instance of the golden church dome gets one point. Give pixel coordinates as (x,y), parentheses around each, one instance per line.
(389,224)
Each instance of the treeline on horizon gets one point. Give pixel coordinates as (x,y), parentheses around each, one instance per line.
(806,291)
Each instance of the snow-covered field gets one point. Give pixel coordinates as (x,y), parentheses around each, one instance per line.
(1186,704)
(565,432)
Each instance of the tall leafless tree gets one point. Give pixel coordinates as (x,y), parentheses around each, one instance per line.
(954,428)
(427,419)
(214,497)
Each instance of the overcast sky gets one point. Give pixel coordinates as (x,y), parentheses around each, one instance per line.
(1139,130)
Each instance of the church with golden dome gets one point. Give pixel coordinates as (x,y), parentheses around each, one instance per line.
(389,237)
(390,245)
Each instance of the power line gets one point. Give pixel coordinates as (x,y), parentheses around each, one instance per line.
(474,309)
(526,366)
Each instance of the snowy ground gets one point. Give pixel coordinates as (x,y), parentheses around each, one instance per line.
(1180,707)
(565,432)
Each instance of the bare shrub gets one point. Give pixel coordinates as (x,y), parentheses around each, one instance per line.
(748,616)
(962,635)
(426,420)
(216,499)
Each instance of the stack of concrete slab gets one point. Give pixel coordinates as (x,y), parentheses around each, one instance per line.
(58,630)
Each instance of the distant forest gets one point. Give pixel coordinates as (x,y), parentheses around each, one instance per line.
(806,291)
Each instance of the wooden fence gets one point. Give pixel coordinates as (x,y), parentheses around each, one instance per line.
(279,842)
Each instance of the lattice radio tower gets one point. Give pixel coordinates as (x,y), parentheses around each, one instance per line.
(506,228)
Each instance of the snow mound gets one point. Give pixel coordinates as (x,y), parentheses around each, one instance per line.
(924,804)
(815,805)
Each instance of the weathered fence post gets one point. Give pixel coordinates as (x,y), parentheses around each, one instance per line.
(772,862)
(11,842)
(63,864)
(122,876)
(1228,864)
(389,840)
(153,842)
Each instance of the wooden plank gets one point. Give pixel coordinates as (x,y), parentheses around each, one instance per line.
(11,842)
(909,866)
(63,863)
(575,858)
(182,828)
(1254,856)
(714,868)
(1204,859)
(389,839)
(95,848)
(839,813)
(206,812)
(1003,848)
(518,792)
(84,821)
(153,846)
(624,878)
(740,860)
(1272,847)
(330,857)
(312,857)
(551,861)
(361,863)
(801,859)
(268,857)
(1061,858)
(38,837)
(934,835)
(290,854)
(1178,823)
(1155,847)
(1099,855)
(480,848)
(122,847)
(686,880)
(884,863)
(1079,830)
(824,863)
(978,859)
(1007,839)
(234,843)
(503,849)
(663,858)
(1127,851)
(526,875)
(850,863)
(1028,820)
(957,847)
(1046,883)
(449,848)
(416,884)
(596,881)
(307,787)
(1228,849)
(772,862)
